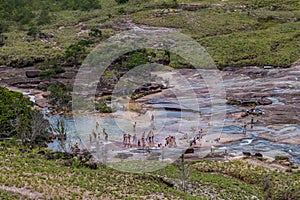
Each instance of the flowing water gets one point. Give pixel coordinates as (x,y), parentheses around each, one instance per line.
(180,116)
(166,122)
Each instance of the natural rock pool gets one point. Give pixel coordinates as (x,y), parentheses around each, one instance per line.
(276,132)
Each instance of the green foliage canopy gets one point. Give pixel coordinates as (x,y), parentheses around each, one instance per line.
(18,119)
(12,106)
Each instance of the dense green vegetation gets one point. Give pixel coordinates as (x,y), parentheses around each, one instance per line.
(54,180)
(205,179)
(12,106)
(18,119)
(22,12)
(60,96)
(235,32)
(8,195)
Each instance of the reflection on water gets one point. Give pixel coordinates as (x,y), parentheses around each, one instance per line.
(168,122)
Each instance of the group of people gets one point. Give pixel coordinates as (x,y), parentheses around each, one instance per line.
(97,136)
(244,126)
(170,141)
(130,140)
(253,112)
(142,142)
(127,139)
(199,136)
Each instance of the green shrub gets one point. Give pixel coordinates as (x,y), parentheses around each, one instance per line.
(12,106)
(74,52)
(48,73)
(95,32)
(280,157)
(59,96)
(121,1)
(102,107)
(83,5)
(121,10)
(136,59)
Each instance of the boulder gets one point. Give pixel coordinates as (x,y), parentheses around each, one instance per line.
(92,165)
(41,152)
(189,150)
(258,155)
(32,73)
(49,156)
(264,101)
(43,85)
(257,74)
(246,153)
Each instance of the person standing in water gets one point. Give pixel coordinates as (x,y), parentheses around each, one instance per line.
(97,125)
(244,128)
(148,138)
(252,121)
(200,134)
(143,142)
(134,126)
(106,136)
(134,139)
(143,139)
(125,139)
(129,136)
(103,131)
(152,136)
(94,134)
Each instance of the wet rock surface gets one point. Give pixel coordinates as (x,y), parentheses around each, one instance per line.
(274,90)
(280,89)
(32,73)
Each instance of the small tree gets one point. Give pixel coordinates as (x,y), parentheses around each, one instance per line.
(60,96)
(39,128)
(44,17)
(33,32)
(2,39)
(95,33)
(22,128)
(61,132)
(184,173)
(33,130)
(74,52)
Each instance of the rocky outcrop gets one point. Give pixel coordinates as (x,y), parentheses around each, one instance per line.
(189,150)
(32,73)
(248,101)
(146,89)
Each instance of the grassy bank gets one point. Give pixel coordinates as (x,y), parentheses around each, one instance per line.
(58,178)
(235,33)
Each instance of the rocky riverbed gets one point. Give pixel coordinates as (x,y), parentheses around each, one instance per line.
(275,91)
(188,105)
(275,131)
